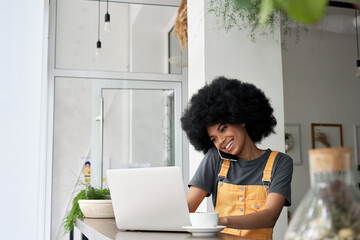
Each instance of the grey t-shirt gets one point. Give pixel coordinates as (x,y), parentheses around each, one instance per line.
(243,172)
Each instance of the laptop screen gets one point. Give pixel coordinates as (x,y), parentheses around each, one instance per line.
(151,199)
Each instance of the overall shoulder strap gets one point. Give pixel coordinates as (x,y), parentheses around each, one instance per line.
(223,171)
(268,168)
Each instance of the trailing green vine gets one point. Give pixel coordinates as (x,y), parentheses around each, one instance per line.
(75,212)
(248,15)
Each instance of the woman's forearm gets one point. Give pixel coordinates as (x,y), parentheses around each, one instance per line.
(262,219)
(194,197)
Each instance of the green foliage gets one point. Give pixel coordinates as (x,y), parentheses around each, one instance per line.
(302,11)
(287,136)
(75,212)
(260,13)
(266,9)
(93,193)
(339,199)
(305,11)
(244,4)
(258,16)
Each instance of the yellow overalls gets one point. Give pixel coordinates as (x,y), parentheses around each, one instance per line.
(244,199)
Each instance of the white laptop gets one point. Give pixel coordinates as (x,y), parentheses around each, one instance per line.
(151,199)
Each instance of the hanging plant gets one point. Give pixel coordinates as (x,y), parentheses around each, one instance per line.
(303,11)
(260,16)
(263,16)
(181,28)
(250,15)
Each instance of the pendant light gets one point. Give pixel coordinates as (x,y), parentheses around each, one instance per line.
(107,26)
(357,46)
(98,51)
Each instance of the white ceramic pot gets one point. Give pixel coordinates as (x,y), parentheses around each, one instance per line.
(97,208)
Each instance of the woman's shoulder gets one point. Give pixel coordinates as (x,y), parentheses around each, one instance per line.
(212,154)
(212,157)
(283,158)
(282,154)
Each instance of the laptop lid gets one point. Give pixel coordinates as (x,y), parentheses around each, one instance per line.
(151,199)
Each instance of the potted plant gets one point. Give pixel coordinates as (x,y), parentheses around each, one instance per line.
(94,203)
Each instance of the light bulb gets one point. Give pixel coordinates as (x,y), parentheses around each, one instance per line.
(107,26)
(98,51)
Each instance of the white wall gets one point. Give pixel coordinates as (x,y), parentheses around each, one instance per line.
(234,55)
(22,101)
(214,53)
(196,75)
(196,51)
(320,86)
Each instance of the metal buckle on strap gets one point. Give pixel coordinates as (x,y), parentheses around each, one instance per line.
(221,180)
(266,184)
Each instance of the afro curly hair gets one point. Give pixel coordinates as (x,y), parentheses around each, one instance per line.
(227,101)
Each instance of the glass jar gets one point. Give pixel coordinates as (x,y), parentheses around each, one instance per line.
(331,208)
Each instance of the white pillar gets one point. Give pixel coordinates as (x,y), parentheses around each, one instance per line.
(23,92)
(232,54)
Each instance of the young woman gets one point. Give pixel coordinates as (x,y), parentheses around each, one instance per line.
(249,186)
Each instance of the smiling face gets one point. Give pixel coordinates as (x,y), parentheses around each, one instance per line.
(228,138)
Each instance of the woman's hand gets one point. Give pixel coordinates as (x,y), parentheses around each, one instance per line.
(223,221)
(262,219)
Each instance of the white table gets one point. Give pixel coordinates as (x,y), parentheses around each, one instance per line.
(105,229)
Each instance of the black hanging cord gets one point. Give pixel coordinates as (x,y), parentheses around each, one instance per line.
(357,34)
(107,15)
(99,23)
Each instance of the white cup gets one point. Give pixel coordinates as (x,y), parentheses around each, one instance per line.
(204,220)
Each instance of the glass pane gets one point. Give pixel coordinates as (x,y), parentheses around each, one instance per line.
(175,57)
(138,128)
(71,146)
(138,42)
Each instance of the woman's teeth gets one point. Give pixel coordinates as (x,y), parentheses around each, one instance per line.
(228,145)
